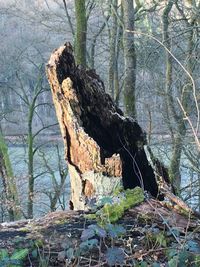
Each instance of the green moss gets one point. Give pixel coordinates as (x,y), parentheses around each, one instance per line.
(184,212)
(4,151)
(133,197)
(24,230)
(39,243)
(60,221)
(11,189)
(91,216)
(111,213)
(81,32)
(118,190)
(144,218)
(157,240)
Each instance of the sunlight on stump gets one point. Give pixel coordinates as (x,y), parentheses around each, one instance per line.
(102,147)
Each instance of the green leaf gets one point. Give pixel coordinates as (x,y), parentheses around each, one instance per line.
(115,256)
(115,230)
(98,230)
(193,246)
(87,234)
(89,244)
(20,255)
(105,200)
(197,260)
(70,253)
(34,253)
(171,253)
(39,243)
(4,254)
(184,258)
(161,240)
(14,263)
(155,264)
(173,262)
(143,264)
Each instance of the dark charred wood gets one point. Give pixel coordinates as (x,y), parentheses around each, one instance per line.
(98,137)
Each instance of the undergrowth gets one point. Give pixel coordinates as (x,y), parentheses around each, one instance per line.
(107,241)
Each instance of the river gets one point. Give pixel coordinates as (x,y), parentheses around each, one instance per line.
(46,164)
(44,184)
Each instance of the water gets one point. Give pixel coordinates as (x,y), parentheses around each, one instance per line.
(44,183)
(46,166)
(189,169)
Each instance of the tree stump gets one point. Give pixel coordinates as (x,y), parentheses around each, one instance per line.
(103,148)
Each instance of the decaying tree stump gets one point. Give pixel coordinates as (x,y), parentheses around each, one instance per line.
(102,146)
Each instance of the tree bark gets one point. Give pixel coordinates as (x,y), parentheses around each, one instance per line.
(8,181)
(58,231)
(102,147)
(113,55)
(129,58)
(179,131)
(81,32)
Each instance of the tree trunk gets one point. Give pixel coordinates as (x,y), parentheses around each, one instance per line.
(81,32)
(113,56)
(178,132)
(129,58)
(31,181)
(102,147)
(8,181)
(170,112)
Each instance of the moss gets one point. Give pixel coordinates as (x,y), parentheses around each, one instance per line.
(118,190)
(10,184)
(60,221)
(157,240)
(91,216)
(133,197)
(144,218)
(4,151)
(111,213)
(183,212)
(24,230)
(81,32)
(39,243)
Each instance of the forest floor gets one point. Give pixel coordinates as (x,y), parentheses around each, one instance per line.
(150,234)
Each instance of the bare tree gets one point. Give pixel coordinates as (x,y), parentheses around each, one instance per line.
(129,58)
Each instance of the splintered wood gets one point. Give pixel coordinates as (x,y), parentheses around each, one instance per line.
(103,148)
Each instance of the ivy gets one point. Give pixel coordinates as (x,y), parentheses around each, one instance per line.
(14,260)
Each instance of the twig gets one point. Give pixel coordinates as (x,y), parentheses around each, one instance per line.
(175,237)
(179,202)
(179,63)
(190,123)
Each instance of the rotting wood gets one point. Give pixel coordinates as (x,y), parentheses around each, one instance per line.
(103,148)
(65,228)
(179,202)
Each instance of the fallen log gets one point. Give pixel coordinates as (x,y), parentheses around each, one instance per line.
(103,148)
(53,237)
